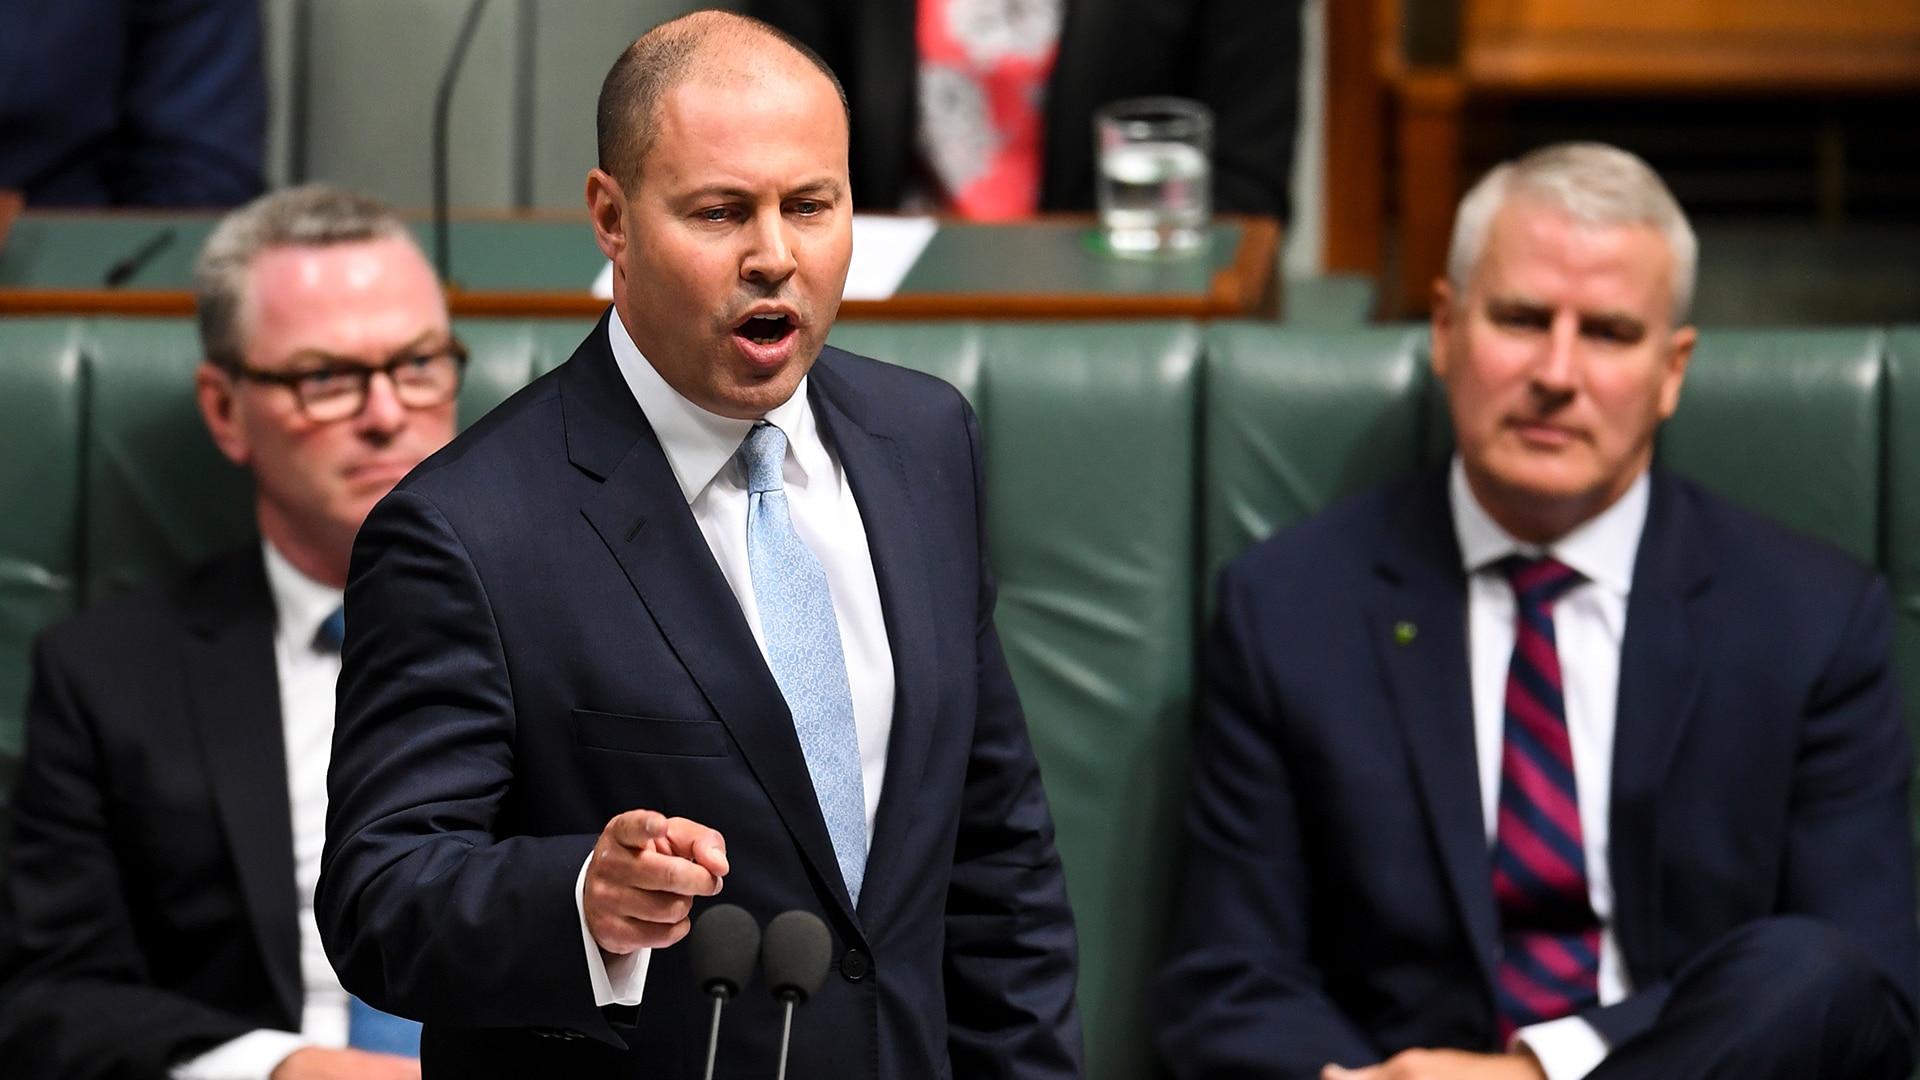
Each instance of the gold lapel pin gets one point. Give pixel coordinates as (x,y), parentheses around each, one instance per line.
(1404,632)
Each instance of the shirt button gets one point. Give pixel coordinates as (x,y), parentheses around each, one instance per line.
(855,965)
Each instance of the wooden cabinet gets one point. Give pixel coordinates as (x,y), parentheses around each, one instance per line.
(1520,49)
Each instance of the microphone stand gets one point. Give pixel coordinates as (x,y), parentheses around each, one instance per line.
(442,107)
(786,1034)
(713,1033)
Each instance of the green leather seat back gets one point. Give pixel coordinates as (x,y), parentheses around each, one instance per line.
(1902,524)
(500,357)
(1788,423)
(1089,434)
(159,494)
(41,385)
(950,350)
(1296,418)
(554,341)
(1122,473)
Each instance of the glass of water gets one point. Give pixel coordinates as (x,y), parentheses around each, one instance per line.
(1155,187)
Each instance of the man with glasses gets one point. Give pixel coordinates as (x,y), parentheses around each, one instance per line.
(157,913)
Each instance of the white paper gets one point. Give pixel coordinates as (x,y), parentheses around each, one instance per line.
(884,249)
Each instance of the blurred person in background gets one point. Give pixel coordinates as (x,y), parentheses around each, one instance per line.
(156,914)
(132,102)
(984,108)
(1547,762)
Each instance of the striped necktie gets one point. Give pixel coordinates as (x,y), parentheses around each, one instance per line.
(1549,936)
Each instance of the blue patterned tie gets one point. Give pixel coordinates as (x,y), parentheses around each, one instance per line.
(803,648)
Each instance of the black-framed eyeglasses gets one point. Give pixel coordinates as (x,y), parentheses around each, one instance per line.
(336,388)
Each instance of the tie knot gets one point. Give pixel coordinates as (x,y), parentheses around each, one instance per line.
(761,454)
(1539,582)
(332,632)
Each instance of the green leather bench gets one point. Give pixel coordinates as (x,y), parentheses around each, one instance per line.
(1126,462)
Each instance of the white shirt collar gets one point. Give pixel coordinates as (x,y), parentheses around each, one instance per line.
(300,604)
(1603,549)
(698,443)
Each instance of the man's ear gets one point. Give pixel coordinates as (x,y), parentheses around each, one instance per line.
(607,207)
(213,390)
(1679,354)
(1442,320)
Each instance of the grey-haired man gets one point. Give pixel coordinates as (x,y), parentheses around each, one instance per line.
(1549,763)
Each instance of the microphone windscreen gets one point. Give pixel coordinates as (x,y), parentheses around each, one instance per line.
(795,955)
(723,946)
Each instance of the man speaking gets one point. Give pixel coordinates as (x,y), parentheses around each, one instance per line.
(706,605)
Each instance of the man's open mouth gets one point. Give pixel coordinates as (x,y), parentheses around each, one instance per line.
(764,329)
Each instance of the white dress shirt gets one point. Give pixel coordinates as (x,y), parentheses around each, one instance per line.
(306,676)
(700,446)
(1589,621)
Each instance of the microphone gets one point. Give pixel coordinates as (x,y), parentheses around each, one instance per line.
(442,109)
(122,272)
(794,959)
(724,944)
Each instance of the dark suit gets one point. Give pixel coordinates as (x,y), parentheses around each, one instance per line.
(539,639)
(132,102)
(1240,57)
(1339,905)
(148,911)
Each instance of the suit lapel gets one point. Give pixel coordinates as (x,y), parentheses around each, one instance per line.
(234,691)
(1659,682)
(1418,627)
(641,515)
(879,481)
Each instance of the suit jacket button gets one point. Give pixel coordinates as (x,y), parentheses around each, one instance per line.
(854,966)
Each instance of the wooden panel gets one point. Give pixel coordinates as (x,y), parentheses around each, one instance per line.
(1691,44)
(10,203)
(1856,19)
(1429,182)
(1355,180)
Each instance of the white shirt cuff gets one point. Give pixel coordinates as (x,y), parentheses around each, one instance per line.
(617,980)
(252,1056)
(1567,1049)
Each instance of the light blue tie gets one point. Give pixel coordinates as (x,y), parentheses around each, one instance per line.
(382,1033)
(803,648)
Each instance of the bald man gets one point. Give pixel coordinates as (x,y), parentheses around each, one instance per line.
(708,605)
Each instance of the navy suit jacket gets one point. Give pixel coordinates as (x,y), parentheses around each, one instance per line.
(132,102)
(539,639)
(148,907)
(1339,906)
(1241,58)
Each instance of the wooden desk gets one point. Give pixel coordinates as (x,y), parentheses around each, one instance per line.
(539,266)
